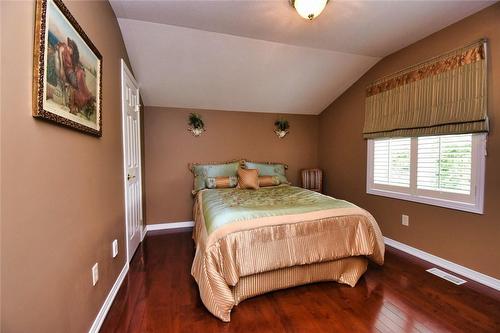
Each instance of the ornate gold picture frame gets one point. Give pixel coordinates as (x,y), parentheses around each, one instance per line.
(67,70)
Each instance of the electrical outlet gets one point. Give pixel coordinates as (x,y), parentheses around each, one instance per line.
(95,274)
(405,220)
(114,247)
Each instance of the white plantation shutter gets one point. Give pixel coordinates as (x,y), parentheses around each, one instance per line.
(445,170)
(392,162)
(445,163)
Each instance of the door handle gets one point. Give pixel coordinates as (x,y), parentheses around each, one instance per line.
(129,177)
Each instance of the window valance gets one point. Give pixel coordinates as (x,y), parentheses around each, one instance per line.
(443,95)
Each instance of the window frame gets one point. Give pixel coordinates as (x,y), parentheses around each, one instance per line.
(473,203)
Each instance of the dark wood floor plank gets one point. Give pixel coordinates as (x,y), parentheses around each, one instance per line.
(159,295)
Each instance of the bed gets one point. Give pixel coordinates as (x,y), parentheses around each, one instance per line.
(249,242)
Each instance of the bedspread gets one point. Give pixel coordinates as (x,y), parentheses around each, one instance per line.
(240,233)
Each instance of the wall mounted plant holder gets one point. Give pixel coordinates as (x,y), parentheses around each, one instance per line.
(281,134)
(196,125)
(281,128)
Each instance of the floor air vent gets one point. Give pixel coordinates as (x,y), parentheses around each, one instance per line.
(448,277)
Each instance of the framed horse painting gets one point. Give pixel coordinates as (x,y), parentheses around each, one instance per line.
(67,70)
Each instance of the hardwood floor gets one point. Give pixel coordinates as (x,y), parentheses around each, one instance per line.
(159,295)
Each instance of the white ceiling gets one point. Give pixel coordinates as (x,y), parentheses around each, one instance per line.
(260,56)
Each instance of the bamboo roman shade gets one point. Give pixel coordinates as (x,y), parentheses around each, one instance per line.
(444,95)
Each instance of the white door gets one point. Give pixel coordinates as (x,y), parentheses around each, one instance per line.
(132,160)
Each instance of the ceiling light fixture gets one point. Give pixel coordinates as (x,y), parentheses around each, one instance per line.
(309,9)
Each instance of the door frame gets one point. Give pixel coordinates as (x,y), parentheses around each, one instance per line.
(126,71)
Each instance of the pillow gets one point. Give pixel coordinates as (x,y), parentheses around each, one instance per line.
(268,181)
(221,182)
(202,171)
(248,178)
(270,169)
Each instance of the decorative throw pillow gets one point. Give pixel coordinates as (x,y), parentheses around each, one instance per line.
(269,169)
(202,171)
(268,181)
(221,182)
(248,178)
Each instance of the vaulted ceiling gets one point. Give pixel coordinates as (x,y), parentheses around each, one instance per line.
(260,56)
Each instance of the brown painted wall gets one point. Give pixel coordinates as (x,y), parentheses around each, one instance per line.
(170,147)
(1,133)
(468,239)
(62,191)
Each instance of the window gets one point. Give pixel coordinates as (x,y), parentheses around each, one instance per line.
(446,170)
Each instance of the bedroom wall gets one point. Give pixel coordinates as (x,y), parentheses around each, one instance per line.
(62,191)
(464,238)
(170,147)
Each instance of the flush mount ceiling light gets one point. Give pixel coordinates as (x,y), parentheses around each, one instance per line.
(309,9)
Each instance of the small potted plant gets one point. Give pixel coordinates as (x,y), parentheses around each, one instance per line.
(196,125)
(282,127)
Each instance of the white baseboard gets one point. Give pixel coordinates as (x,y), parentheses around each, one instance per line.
(451,266)
(173,225)
(96,326)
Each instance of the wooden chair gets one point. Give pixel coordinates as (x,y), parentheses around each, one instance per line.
(312,179)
